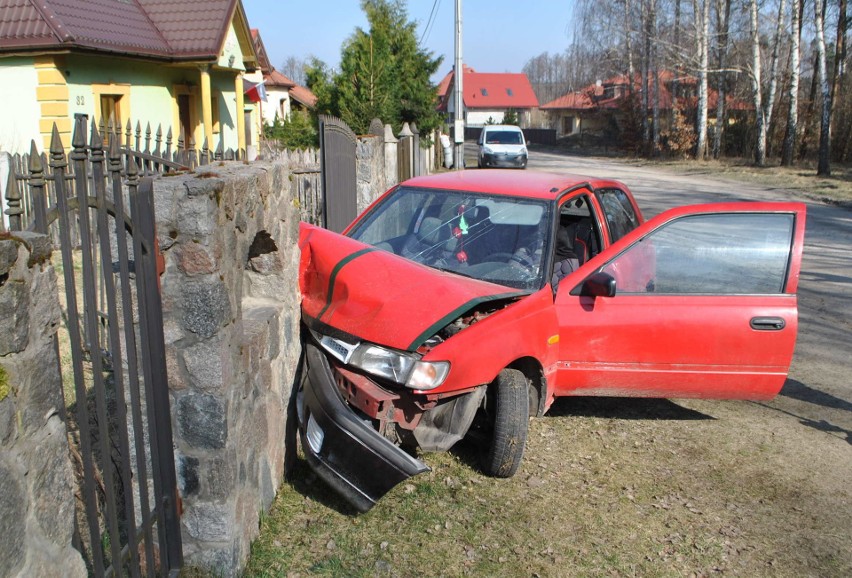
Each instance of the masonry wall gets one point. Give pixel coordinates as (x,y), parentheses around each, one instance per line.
(229,235)
(36,478)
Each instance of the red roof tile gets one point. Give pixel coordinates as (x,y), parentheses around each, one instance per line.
(491,90)
(303,95)
(275,78)
(169,29)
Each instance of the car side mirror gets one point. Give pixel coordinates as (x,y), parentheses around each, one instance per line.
(598,285)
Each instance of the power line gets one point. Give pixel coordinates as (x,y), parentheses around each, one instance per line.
(430,22)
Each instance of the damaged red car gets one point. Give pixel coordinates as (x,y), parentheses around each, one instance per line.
(468,301)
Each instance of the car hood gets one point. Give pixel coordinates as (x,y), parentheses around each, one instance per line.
(380,297)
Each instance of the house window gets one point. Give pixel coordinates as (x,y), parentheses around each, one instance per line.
(484,91)
(568,124)
(509,92)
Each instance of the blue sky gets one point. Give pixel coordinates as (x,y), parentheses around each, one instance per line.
(498,35)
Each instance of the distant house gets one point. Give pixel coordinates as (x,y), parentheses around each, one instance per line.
(166,62)
(599,107)
(282,94)
(487,96)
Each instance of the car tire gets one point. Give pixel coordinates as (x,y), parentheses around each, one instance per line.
(510,403)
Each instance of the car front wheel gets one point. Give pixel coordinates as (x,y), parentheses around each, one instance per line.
(509,405)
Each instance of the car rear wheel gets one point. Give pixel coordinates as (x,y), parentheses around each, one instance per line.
(510,412)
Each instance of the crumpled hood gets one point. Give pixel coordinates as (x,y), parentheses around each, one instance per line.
(381,297)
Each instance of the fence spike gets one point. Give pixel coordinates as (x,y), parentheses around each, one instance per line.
(78,139)
(13,201)
(127,133)
(96,143)
(148,139)
(220,151)
(168,144)
(138,135)
(114,151)
(57,150)
(158,139)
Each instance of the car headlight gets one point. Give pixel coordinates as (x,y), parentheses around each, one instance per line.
(403,368)
(524,151)
(487,150)
(407,370)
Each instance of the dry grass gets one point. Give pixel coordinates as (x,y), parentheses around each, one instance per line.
(607,488)
(834,189)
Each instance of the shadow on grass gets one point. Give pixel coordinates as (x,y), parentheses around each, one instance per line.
(623,408)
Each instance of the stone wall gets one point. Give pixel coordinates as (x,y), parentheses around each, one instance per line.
(36,478)
(229,234)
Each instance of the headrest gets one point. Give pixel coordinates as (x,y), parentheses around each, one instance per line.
(433,231)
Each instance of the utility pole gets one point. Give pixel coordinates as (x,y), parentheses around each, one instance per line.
(458,99)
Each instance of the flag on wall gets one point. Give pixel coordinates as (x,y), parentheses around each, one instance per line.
(254,92)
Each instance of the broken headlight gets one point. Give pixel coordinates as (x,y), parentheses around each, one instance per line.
(401,367)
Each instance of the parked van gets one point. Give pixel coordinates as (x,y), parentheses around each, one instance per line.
(502,145)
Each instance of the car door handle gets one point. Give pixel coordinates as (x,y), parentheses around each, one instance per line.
(767,323)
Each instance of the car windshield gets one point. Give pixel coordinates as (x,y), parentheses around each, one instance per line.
(494,238)
(504,137)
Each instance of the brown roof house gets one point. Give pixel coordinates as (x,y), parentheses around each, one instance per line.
(599,107)
(164,62)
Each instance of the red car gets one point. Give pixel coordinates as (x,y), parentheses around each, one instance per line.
(468,301)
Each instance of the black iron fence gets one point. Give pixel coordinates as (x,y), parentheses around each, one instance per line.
(114,382)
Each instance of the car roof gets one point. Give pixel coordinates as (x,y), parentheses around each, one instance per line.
(529,184)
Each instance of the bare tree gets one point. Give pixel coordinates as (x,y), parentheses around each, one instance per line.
(294,69)
(702,28)
(756,89)
(769,104)
(795,72)
(723,24)
(823,157)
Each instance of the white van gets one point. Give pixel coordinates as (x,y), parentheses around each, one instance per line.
(502,145)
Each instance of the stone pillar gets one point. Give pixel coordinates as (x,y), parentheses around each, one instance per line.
(370,170)
(229,235)
(36,477)
(391,157)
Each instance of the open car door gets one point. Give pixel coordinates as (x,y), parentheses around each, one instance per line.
(698,302)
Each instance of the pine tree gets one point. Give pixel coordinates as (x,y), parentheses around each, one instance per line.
(384,74)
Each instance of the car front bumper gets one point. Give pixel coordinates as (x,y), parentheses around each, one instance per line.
(342,448)
(504,160)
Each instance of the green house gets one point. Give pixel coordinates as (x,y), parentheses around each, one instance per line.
(164,62)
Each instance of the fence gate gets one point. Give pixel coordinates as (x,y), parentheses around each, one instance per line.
(115,383)
(339,186)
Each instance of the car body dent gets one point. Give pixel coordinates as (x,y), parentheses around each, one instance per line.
(381,297)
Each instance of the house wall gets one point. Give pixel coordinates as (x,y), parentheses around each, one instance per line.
(20,110)
(278,102)
(52,89)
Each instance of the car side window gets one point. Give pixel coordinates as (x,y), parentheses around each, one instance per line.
(619,213)
(711,254)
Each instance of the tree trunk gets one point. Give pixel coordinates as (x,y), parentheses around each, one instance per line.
(823,160)
(839,55)
(795,73)
(723,25)
(769,104)
(646,71)
(760,125)
(676,75)
(655,126)
(811,104)
(702,16)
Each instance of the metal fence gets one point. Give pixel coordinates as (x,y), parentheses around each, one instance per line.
(115,384)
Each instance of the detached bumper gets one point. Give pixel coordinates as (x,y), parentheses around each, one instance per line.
(504,160)
(344,450)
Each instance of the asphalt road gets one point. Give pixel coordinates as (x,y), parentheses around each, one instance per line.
(818,392)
